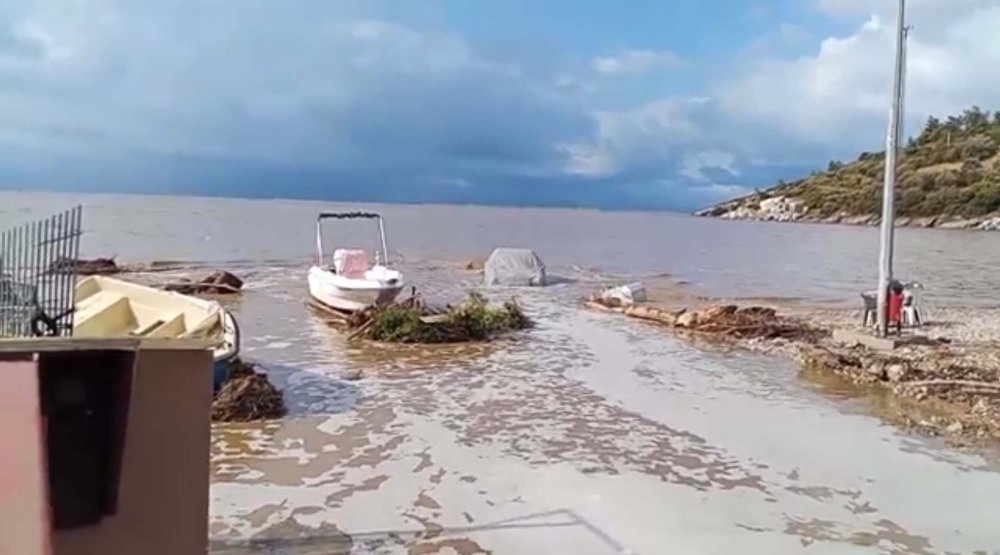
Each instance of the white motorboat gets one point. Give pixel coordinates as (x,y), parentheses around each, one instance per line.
(352,280)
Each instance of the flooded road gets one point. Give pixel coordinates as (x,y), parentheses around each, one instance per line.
(589,434)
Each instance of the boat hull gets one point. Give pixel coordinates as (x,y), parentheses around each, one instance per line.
(226,355)
(220,371)
(109,308)
(350,295)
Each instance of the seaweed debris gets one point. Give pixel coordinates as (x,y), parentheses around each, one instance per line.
(247,395)
(410,321)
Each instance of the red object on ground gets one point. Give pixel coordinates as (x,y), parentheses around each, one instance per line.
(895,308)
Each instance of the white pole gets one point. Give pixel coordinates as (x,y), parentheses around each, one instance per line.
(319,243)
(385,249)
(888,192)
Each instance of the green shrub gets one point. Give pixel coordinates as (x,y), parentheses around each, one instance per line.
(473,320)
(971,140)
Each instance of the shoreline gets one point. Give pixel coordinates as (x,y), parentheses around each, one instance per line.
(949,388)
(942,222)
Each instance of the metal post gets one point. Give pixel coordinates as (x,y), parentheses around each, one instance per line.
(319,243)
(888,192)
(385,249)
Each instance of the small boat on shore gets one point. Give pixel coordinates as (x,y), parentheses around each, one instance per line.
(107,307)
(352,280)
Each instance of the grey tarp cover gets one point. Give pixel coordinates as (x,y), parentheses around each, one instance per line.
(514,267)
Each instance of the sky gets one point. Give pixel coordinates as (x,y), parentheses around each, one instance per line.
(618,105)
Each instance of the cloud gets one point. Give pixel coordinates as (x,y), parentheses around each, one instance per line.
(635,61)
(366,99)
(839,95)
(297,83)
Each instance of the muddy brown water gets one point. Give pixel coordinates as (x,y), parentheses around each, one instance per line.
(589,433)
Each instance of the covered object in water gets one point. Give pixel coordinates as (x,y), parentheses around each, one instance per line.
(514,267)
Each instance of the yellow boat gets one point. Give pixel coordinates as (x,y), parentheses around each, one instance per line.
(107,307)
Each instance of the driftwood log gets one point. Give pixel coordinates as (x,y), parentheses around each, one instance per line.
(725,320)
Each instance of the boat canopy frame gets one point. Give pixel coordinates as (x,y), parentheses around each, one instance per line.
(356,215)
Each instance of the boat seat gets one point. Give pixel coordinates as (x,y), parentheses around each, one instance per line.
(171,325)
(147,328)
(352,263)
(102,314)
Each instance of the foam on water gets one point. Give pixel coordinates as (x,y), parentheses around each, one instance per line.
(588,434)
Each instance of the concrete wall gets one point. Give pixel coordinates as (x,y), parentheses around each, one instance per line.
(24,523)
(163,493)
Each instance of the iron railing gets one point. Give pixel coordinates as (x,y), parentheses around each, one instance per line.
(37,286)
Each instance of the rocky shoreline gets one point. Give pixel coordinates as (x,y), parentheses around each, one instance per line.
(949,387)
(787,209)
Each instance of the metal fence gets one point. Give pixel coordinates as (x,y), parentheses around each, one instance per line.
(38,276)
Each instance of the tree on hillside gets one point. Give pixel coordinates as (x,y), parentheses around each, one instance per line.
(931,131)
(975,120)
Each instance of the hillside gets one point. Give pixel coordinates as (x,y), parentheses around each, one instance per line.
(949,176)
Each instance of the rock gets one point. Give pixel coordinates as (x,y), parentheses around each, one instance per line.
(353,375)
(876,369)
(990,224)
(981,406)
(222,277)
(740,213)
(924,222)
(896,372)
(903,222)
(781,209)
(475,265)
(865,219)
(715,211)
(219,282)
(85,267)
(955,428)
(959,224)
(687,320)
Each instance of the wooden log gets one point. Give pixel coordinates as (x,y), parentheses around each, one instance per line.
(335,315)
(361,330)
(652,314)
(603,308)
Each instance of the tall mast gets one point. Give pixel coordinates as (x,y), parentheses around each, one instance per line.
(888,191)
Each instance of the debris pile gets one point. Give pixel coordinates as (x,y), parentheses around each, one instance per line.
(247,395)
(753,322)
(941,390)
(927,375)
(85,267)
(955,398)
(218,283)
(411,321)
